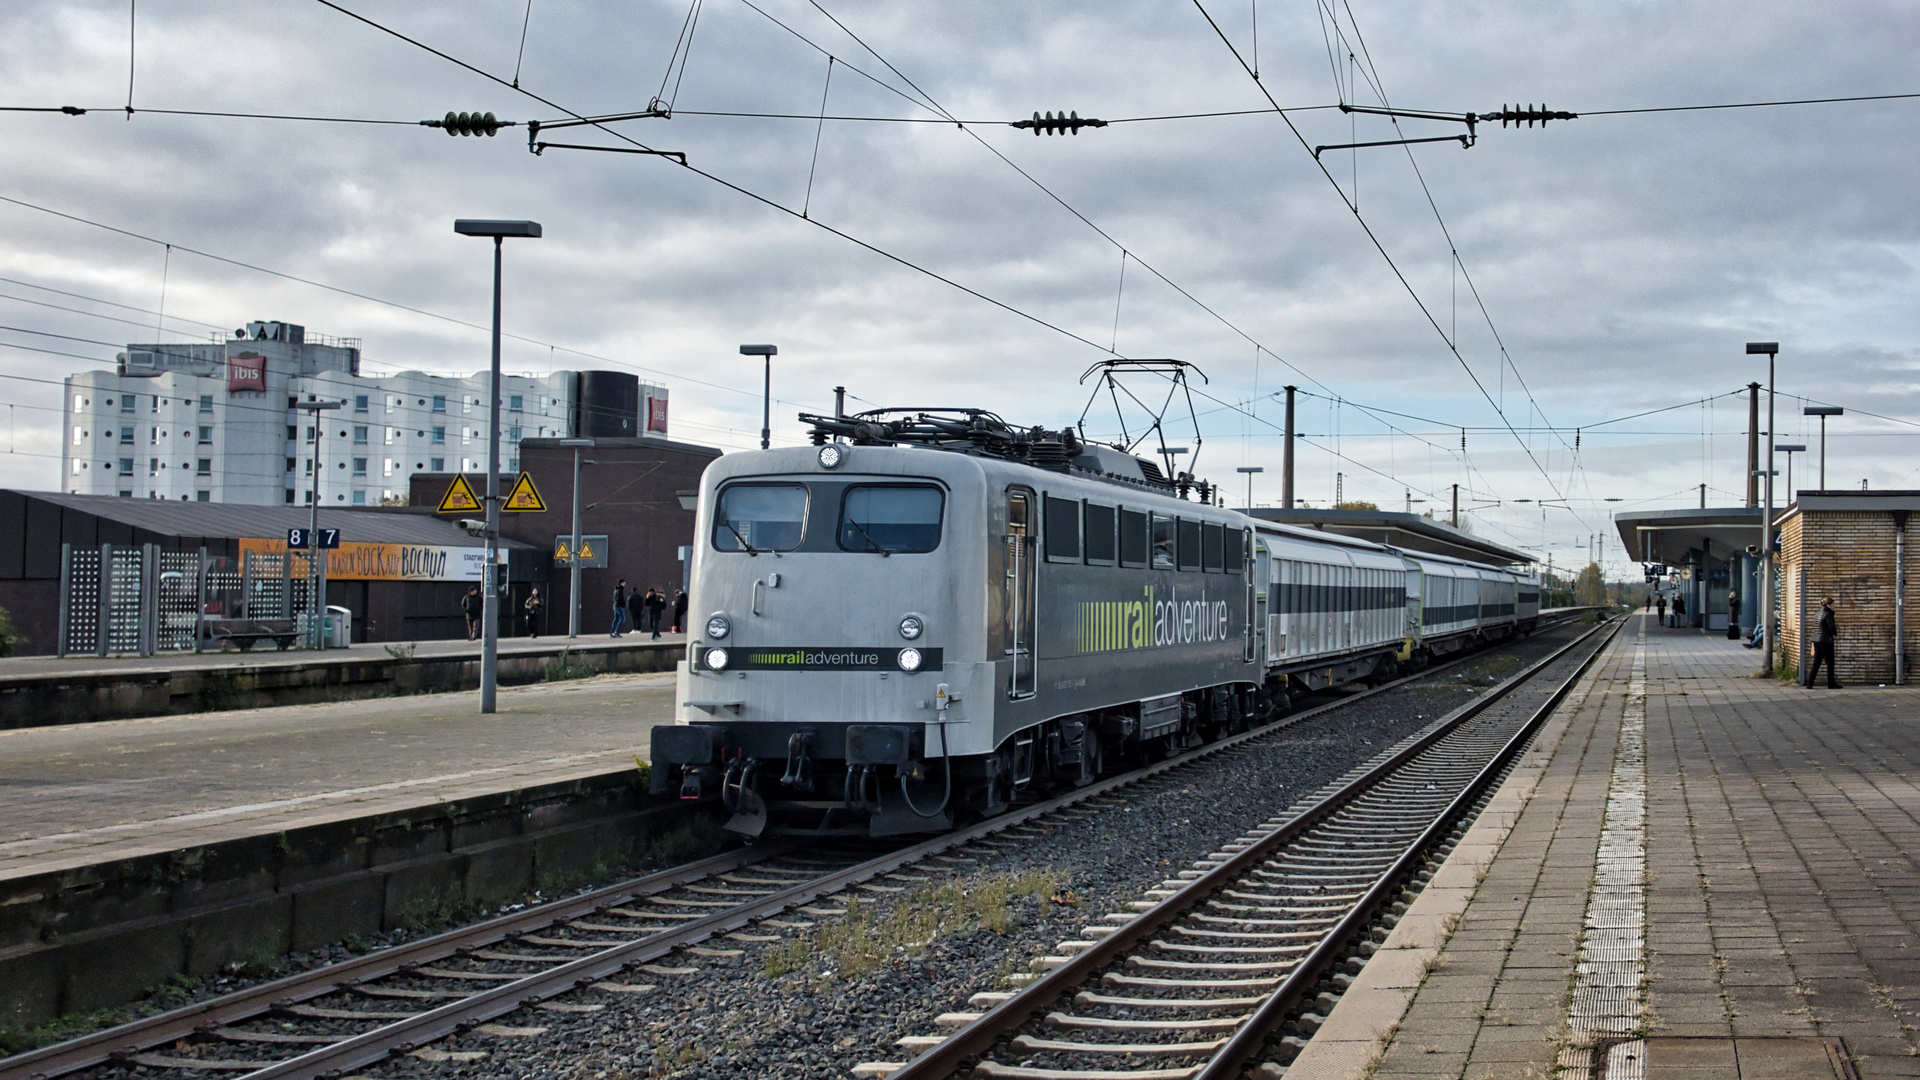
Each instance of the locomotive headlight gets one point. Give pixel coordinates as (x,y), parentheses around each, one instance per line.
(719,626)
(831,455)
(909,660)
(716,659)
(911,627)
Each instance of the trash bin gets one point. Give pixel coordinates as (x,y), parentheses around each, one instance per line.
(337,631)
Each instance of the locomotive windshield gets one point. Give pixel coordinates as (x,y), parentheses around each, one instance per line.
(760,517)
(891,518)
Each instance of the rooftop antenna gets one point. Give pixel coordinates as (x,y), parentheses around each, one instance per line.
(1114,375)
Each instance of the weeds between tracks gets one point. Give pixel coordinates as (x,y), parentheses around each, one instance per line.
(863,940)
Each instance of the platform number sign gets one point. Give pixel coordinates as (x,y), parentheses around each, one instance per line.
(300,538)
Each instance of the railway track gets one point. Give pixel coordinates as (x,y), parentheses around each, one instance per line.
(332,1020)
(1232,965)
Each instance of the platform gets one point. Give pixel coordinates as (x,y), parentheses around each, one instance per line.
(37,691)
(1694,873)
(88,793)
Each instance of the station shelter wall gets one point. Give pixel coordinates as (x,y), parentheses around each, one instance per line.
(1848,555)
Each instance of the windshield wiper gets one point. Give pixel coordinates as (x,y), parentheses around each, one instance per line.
(884,553)
(736,535)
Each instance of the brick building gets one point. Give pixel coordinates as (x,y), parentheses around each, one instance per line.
(630,492)
(1843,544)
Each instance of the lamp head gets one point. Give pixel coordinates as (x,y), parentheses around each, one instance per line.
(479,227)
(759,350)
(1823,410)
(1768,348)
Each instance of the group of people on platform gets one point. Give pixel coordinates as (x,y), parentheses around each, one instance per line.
(637,609)
(631,608)
(1826,632)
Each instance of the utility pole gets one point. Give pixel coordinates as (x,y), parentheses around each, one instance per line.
(1286,459)
(1753,444)
(316,569)
(1455,519)
(573,552)
(1823,411)
(1772,351)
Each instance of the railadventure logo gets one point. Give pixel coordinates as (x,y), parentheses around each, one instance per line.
(1151,622)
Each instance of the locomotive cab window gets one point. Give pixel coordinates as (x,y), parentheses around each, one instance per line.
(1133,538)
(1163,532)
(1099,538)
(1236,547)
(897,519)
(1063,529)
(760,517)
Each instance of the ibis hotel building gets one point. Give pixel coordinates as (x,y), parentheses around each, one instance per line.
(220,421)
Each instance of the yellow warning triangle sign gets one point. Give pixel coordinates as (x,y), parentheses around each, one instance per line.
(459,498)
(586,550)
(524,498)
(561,551)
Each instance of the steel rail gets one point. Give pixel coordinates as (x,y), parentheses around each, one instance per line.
(122,1041)
(951,1055)
(102,1046)
(1248,1039)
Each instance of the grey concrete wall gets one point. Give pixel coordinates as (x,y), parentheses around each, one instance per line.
(40,700)
(103,935)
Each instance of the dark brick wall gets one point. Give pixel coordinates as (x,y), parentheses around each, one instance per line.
(633,486)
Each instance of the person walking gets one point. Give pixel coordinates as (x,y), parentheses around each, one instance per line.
(1823,646)
(1679,611)
(533,606)
(1649,601)
(472,606)
(1661,610)
(619,609)
(636,609)
(656,607)
(679,611)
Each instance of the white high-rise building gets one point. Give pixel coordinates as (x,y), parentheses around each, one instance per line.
(219,422)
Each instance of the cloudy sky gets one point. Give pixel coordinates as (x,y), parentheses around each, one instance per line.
(1606,266)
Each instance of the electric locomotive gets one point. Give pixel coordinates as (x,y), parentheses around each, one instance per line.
(921,616)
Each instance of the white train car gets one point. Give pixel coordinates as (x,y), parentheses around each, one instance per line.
(1330,608)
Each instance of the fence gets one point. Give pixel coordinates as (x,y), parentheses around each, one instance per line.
(143,600)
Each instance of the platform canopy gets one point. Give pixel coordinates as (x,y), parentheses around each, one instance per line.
(1409,532)
(1667,536)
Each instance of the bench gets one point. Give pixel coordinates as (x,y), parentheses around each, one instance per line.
(245,633)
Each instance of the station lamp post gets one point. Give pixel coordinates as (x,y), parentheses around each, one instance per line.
(767,353)
(573,550)
(490,610)
(1249,470)
(1771,350)
(1790,449)
(1823,411)
(316,575)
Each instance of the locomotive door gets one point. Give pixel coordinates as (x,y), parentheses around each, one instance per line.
(1022,612)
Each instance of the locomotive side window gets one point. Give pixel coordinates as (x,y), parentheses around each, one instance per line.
(1163,530)
(1212,539)
(1236,548)
(899,519)
(760,517)
(1133,538)
(1099,543)
(1189,544)
(1063,529)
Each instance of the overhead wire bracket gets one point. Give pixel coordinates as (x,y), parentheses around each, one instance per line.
(1515,115)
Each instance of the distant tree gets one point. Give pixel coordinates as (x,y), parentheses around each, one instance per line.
(1590,588)
(394,500)
(1356,504)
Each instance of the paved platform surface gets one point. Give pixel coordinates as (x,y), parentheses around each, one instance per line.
(14,667)
(84,793)
(1694,873)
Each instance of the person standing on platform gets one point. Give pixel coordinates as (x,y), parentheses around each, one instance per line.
(679,611)
(636,609)
(1679,611)
(619,609)
(1823,646)
(1649,601)
(533,606)
(656,607)
(1661,608)
(1733,616)
(472,605)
